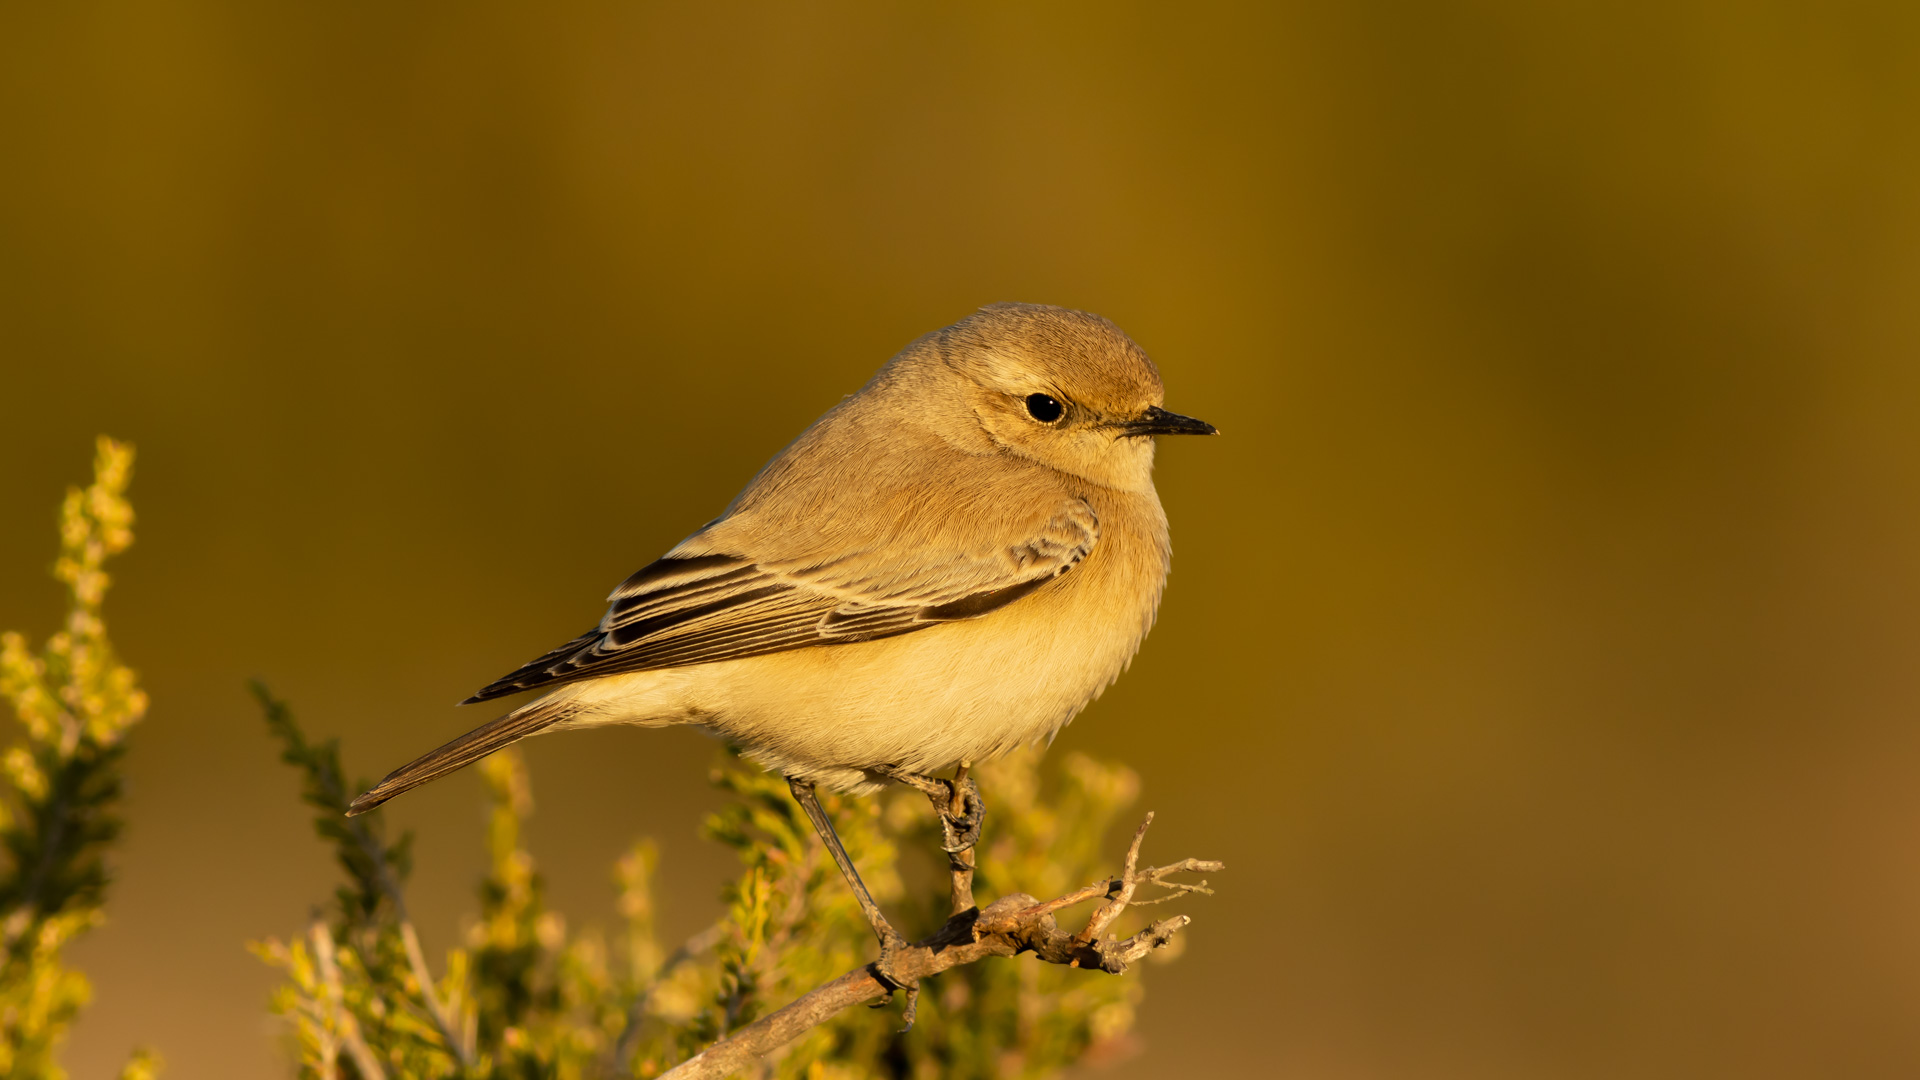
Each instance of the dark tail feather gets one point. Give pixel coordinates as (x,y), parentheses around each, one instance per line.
(462,752)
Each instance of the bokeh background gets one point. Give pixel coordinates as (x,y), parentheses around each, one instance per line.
(1541,651)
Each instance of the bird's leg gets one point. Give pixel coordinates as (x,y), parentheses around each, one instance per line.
(960,863)
(891,943)
(956,802)
(961,811)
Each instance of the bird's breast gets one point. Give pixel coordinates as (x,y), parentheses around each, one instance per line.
(964,691)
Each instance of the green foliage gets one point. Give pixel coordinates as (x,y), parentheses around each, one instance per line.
(357,982)
(75,702)
(374,869)
(533,1000)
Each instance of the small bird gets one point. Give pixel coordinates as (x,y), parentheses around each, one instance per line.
(949,564)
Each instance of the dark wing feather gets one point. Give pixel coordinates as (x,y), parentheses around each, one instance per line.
(701,609)
(462,752)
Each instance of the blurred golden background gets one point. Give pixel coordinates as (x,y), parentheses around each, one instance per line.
(1541,651)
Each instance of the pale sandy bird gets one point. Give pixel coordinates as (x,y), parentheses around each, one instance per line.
(949,564)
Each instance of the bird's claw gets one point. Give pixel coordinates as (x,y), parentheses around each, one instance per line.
(913,1006)
(958,833)
(892,947)
(959,829)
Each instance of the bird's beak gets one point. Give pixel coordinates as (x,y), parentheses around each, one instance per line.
(1158,421)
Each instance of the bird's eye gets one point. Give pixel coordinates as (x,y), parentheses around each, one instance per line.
(1044,409)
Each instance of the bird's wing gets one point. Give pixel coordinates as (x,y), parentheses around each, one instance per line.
(698,608)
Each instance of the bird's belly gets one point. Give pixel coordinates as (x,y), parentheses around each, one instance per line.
(923,701)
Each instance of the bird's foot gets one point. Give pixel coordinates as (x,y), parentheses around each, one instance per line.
(886,970)
(963,816)
(892,948)
(956,803)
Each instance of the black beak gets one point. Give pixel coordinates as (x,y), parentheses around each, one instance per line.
(1158,421)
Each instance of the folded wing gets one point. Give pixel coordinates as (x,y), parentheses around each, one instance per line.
(700,608)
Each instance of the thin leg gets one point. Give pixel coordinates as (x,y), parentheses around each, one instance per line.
(960,863)
(890,939)
(957,803)
(962,812)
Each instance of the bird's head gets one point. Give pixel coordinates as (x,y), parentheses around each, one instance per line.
(1065,388)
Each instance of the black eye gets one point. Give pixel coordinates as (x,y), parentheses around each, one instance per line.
(1043,408)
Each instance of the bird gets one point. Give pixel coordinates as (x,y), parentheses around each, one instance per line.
(949,564)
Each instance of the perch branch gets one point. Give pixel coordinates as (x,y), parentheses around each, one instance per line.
(1009,926)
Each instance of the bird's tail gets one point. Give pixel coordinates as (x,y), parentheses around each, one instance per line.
(529,719)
